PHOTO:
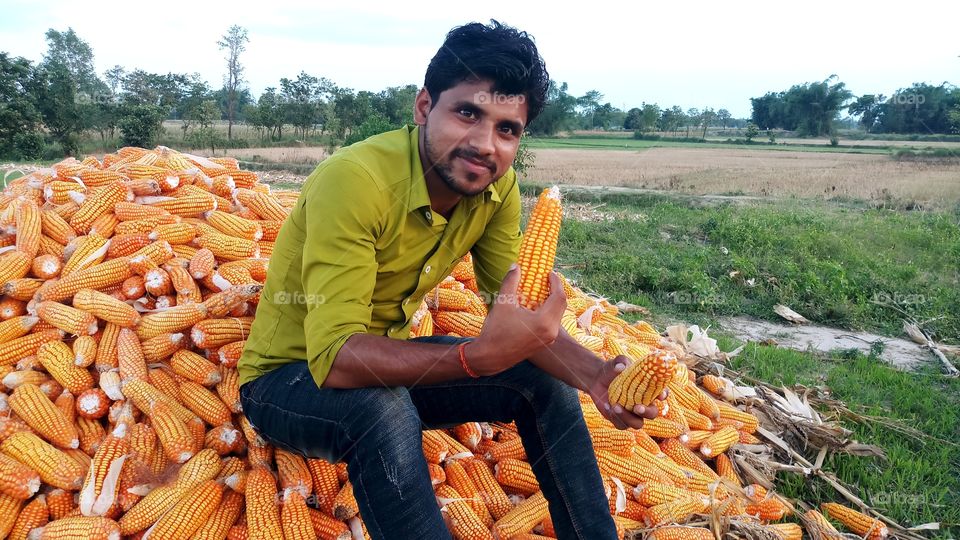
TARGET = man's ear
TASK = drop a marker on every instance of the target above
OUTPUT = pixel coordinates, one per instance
(421, 107)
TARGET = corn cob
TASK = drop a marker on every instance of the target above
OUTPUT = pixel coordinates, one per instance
(295, 517)
(21, 289)
(16, 479)
(99, 202)
(35, 514)
(80, 528)
(460, 322)
(57, 358)
(643, 381)
(102, 484)
(189, 513)
(98, 276)
(327, 527)
(150, 508)
(523, 517)
(815, 521)
(538, 248)
(862, 524)
(14, 265)
(204, 403)
(464, 522)
(677, 532)
(326, 485)
(30, 404)
(516, 474)
(55, 467)
(263, 514)
(720, 441)
(16, 327)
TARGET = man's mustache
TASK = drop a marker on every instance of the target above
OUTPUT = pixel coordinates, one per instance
(474, 156)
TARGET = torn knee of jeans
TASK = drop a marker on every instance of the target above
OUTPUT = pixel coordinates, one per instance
(392, 472)
(300, 375)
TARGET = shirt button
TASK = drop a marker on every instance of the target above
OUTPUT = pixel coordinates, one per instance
(427, 269)
(427, 214)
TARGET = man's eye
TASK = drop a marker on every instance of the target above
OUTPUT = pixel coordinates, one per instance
(466, 112)
(506, 130)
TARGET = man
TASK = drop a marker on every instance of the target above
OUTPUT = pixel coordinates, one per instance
(327, 370)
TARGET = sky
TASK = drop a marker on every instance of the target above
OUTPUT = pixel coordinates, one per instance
(686, 53)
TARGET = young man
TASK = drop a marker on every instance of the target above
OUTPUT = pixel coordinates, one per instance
(327, 370)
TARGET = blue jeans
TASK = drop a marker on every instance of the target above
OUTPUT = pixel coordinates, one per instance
(377, 432)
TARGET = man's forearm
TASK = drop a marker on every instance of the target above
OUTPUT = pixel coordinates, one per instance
(370, 360)
(568, 361)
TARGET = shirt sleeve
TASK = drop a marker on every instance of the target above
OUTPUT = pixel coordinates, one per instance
(499, 246)
(342, 210)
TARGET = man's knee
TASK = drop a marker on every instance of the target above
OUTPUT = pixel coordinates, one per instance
(384, 418)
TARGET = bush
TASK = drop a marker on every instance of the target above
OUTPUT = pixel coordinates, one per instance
(373, 125)
(28, 146)
(140, 125)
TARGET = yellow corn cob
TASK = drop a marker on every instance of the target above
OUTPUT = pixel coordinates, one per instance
(102, 484)
(57, 358)
(98, 276)
(27, 217)
(21, 289)
(488, 489)
(161, 347)
(643, 381)
(128, 211)
(16, 327)
(327, 527)
(464, 522)
(14, 265)
(204, 403)
(80, 528)
(538, 248)
(749, 421)
(106, 353)
(91, 435)
(224, 439)
(345, 504)
(175, 437)
(678, 532)
(30, 404)
(458, 479)
(192, 204)
(202, 263)
(293, 473)
(295, 517)
(150, 508)
(172, 320)
(630, 471)
(325, 483)
(523, 517)
(674, 511)
(265, 206)
(787, 531)
(55, 467)
(517, 475)
(685, 457)
(222, 303)
(16, 479)
(189, 513)
(106, 307)
(46, 266)
(97, 203)
(653, 493)
(184, 286)
(618, 441)
(459, 322)
(194, 367)
(143, 395)
(67, 318)
(228, 248)
(512, 448)
(233, 225)
(174, 233)
(770, 508)
(661, 462)
(862, 524)
(263, 514)
(720, 441)
(725, 469)
(213, 333)
(35, 514)
(58, 191)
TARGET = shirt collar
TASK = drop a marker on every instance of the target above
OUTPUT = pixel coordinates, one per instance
(419, 197)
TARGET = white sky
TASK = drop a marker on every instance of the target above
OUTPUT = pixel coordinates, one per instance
(686, 53)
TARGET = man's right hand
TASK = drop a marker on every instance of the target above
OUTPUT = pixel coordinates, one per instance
(511, 332)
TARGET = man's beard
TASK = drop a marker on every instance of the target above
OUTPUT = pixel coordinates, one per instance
(445, 169)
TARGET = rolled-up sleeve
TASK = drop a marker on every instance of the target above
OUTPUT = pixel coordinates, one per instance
(499, 246)
(342, 216)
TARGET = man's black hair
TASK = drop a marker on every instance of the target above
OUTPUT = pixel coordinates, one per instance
(495, 52)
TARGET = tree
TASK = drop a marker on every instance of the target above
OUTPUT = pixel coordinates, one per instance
(204, 115)
(693, 119)
(633, 119)
(650, 113)
(671, 119)
(67, 49)
(707, 117)
(558, 113)
(723, 116)
(809, 108)
(301, 100)
(270, 112)
(19, 114)
(752, 131)
(234, 41)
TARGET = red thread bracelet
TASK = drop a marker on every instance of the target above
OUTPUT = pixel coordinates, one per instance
(463, 360)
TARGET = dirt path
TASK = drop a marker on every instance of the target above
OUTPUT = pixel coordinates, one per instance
(900, 353)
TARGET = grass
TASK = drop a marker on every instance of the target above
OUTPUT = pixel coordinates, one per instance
(826, 261)
(829, 262)
(919, 482)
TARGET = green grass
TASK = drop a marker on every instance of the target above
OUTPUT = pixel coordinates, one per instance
(919, 482)
(621, 143)
(827, 261)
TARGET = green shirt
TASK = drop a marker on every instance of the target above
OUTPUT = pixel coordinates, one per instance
(361, 248)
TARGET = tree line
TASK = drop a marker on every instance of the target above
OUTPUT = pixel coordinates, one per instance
(812, 109)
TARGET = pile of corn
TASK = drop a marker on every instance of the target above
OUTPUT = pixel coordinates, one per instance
(128, 287)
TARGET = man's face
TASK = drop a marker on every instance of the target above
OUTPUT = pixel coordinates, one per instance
(471, 134)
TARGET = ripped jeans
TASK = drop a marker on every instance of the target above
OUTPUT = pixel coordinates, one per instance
(377, 432)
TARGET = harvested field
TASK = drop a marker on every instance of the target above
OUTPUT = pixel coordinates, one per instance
(873, 178)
